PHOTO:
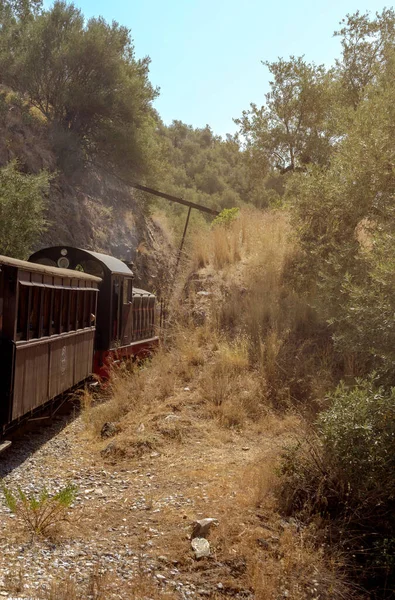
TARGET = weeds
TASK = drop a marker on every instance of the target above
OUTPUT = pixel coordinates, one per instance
(40, 514)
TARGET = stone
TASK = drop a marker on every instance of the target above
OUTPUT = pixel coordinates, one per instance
(109, 429)
(201, 547)
(202, 527)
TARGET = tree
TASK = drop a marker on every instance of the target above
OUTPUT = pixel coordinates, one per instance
(22, 205)
(347, 229)
(290, 129)
(86, 80)
(366, 45)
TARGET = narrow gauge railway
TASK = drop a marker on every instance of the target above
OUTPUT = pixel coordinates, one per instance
(65, 314)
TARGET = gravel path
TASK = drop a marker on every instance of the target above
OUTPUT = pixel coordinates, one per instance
(130, 521)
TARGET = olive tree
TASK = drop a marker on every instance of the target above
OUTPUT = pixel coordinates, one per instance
(22, 207)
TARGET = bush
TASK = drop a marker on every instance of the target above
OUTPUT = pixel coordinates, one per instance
(346, 474)
(41, 514)
(359, 434)
(226, 217)
(22, 206)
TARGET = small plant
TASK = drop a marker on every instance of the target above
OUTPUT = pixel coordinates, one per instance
(40, 514)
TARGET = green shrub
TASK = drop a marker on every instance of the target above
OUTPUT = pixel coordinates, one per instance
(22, 206)
(226, 217)
(345, 473)
(42, 513)
(359, 440)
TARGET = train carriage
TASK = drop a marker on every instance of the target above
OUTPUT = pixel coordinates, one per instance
(125, 322)
(47, 331)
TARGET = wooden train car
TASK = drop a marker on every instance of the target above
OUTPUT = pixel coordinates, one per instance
(47, 334)
(125, 321)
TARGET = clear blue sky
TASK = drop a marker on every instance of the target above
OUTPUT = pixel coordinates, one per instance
(206, 53)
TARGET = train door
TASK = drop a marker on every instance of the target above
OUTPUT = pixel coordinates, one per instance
(127, 296)
(116, 311)
(121, 316)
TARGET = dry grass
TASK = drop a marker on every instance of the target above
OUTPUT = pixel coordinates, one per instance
(237, 360)
(248, 345)
(277, 558)
(234, 393)
(105, 587)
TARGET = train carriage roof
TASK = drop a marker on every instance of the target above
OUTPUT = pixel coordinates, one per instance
(45, 269)
(113, 264)
(109, 263)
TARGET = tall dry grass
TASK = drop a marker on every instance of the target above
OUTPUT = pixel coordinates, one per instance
(251, 342)
(287, 343)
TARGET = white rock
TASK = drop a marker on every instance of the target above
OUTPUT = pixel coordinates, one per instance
(201, 547)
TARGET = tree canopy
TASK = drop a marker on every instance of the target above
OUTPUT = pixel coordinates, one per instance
(85, 80)
(291, 129)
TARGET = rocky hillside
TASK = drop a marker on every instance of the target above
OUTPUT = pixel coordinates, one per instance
(87, 208)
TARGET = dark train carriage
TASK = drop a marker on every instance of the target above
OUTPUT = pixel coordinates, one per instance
(46, 334)
(125, 323)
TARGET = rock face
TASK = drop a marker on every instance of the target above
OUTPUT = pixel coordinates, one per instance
(87, 208)
(97, 212)
(201, 547)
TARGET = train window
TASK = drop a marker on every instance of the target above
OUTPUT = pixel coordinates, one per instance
(92, 316)
(23, 306)
(56, 310)
(93, 267)
(127, 291)
(34, 313)
(65, 310)
(87, 309)
(115, 308)
(73, 310)
(46, 311)
(80, 309)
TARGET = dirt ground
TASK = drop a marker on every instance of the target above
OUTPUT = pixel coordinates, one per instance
(129, 529)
